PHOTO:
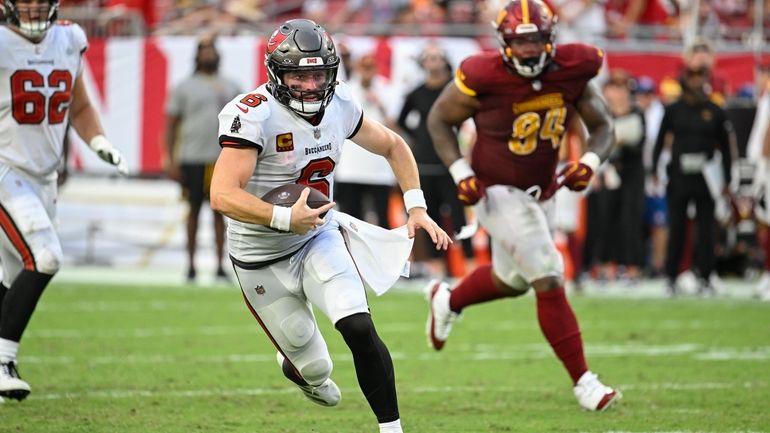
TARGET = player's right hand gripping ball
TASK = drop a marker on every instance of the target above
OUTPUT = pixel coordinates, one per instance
(470, 190)
(575, 176)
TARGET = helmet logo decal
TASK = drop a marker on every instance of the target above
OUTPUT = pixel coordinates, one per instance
(275, 40)
(307, 61)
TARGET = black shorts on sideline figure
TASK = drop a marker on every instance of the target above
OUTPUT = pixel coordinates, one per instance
(196, 182)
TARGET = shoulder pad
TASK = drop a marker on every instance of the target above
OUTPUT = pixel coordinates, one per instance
(246, 106)
(75, 34)
(343, 91)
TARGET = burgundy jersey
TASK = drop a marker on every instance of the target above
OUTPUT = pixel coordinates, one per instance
(521, 121)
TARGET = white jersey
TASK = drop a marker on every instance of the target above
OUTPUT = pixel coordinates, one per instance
(291, 150)
(36, 83)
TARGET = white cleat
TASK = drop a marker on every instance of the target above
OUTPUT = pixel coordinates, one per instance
(440, 317)
(11, 385)
(593, 395)
(326, 394)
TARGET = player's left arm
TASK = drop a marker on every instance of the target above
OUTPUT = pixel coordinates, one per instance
(85, 119)
(381, 140)
(576, 175)
(597, 118)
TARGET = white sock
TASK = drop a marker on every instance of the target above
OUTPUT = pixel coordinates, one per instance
(8, 350)
(391, 427)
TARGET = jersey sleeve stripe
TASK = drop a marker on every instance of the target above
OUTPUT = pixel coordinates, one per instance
(228, 141)
(461, 86)
(358, 126)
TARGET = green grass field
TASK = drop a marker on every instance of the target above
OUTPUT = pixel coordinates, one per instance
(159, 359)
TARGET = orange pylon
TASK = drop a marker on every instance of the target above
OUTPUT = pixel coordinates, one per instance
(480, 243)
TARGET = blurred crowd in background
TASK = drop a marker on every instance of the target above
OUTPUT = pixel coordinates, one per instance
(587, 20)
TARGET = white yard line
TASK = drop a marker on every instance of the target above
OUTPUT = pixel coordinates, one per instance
(523, 352)
(135, 393)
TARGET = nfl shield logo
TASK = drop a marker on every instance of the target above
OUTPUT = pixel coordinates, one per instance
(260, 290)
(316, 133)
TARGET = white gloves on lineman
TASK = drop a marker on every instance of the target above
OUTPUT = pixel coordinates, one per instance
(109, 153)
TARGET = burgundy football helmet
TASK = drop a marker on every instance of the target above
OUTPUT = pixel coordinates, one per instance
(301, 45)
(45, 15)
(526, 30)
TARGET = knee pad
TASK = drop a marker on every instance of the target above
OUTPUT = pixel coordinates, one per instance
(298, 328)
(48, 259)
(316, 371)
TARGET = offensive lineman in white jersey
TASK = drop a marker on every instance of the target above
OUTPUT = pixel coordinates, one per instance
(291, 130)
(41, 90)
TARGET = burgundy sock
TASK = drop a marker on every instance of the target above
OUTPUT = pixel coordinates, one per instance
(560, 327)
(475, 288)
(766, 247)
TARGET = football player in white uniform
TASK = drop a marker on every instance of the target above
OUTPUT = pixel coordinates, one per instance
(41, 90)
(291, 130)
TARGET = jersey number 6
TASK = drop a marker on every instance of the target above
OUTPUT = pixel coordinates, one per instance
(314, 173)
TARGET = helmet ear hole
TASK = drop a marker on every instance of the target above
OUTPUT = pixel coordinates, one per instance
(508, 52)
(549, 48)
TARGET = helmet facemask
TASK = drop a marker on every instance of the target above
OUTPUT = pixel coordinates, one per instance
(32, 20)
(305, 102)
(304, 47)
(530, 66)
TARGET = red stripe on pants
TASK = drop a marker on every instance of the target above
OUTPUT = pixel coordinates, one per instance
(10, 229)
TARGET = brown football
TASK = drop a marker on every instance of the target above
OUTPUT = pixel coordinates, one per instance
(287, 195)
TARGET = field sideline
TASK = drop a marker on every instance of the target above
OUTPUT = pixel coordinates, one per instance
(167, 358)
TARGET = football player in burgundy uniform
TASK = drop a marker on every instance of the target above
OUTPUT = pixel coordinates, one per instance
(291, 130)
(521, 102)
(41, 91)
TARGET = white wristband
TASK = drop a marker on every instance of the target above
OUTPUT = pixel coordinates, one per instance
(414, 198)
(281, 219)
(460, 170)
(591, 160)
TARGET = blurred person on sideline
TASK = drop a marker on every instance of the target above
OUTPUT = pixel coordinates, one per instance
(443, 205)
(191, 143)
(43, 91)
(701, 54)
(758, 151)
(695, 127)
(580, 21)
(521, 99)
(626, 160)
(623, 15)
(363, 179)
(655, 207)
(291, 130)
